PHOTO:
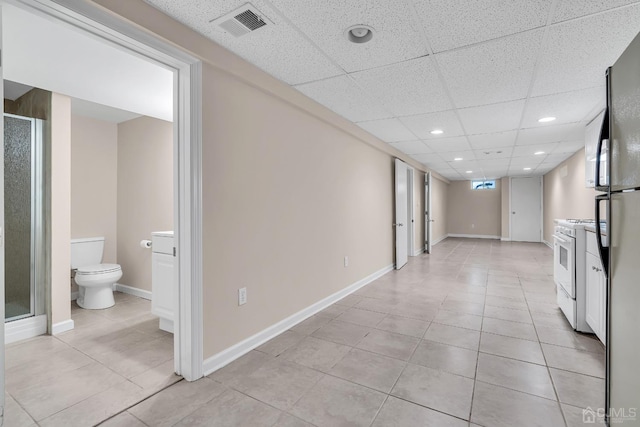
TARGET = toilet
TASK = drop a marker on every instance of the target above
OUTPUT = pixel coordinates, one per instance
(95, 281)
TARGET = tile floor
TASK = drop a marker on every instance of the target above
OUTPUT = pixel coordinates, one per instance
(111, 360)
(467, 336)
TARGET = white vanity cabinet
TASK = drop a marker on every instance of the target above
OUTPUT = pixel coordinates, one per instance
(596, 290)
(162, 278)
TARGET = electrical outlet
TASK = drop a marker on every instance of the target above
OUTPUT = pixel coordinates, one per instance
(242, 296)
(346, 261)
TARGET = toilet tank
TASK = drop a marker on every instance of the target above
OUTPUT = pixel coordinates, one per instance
(87, 251)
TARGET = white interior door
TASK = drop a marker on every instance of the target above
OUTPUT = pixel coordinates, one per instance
(411, 231)
(400, 225)
(526, 209)
(2, 404)
(428, 232)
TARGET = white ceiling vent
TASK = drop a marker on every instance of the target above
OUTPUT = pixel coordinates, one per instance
(242, 21)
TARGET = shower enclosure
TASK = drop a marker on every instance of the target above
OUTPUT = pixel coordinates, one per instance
(23, 213)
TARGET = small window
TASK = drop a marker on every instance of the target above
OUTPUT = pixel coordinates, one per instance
(482, 185)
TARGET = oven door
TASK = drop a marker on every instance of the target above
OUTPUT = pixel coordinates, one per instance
(564, 263)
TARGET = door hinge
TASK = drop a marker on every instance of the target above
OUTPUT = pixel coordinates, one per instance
(174, 251)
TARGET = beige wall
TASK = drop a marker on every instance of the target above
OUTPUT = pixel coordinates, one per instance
(505, 196)
(567, 196)
(60, 208)
(145, 193)
(474, 212)
(439, 206)
(94, 186)
(284, 198)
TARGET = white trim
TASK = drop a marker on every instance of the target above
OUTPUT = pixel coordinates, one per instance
(548, 244)
(505, 239)
(61, 327)
(230, 354)
(419, 251)
(475, 236)
(25, 328)
(439, 240)
(141, 293)
(98, 22)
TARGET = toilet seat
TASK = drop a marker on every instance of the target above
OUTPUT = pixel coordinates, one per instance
(98, 269)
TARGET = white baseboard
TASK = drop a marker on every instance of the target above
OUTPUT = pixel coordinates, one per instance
(475, 236)
(230, 354)
(23, 329)
(547, 243)
(125, 289)
(505, 239)
(418, 251)
(61, 327)
(439, 240)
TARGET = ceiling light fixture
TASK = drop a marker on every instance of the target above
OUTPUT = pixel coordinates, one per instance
(437, 132)
(359, 33)
(457, 159)
(527, 169)
(537, 153)
(546, 119)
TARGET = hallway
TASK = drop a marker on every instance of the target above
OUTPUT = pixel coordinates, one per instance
(469, 335)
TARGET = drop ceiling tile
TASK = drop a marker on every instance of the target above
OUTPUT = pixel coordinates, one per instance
(493, 118)
(566, 107)
(278, 49)
(547, 134)
(343, 96)
(388, 130)
(495, 153)
(452, 176)
(557, 158)
(577, 53)
(423, 124)
(447, 145)
(529, 150)
(521, 172)
(396, 37)
(464, 155)
(496, 71)
(412, 147)
(531, 161)
(569, 9)
(493, 140)
(449, 25)
(464, 166)
(494, 163)
(426, 158)
(407, 88)
(548, 166)
(495, 173)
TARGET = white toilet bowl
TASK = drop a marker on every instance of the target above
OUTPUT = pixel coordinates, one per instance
(95, 280)
(95, 283)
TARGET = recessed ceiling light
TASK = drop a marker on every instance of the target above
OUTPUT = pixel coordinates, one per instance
(359, 33)
(546, 119)
(437, 132)
(469, 171)
(527, 169)
(457, 159)
(537, 153)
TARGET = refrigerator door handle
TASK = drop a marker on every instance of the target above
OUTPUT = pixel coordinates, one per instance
(602, 250)
(604, 136)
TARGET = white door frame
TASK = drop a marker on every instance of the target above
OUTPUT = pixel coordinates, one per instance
(410, 214)
(2, 388)
(400, 226)
(541, 205)
(187, 69)
(428, 230)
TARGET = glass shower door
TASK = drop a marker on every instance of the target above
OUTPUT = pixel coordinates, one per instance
(22, 192)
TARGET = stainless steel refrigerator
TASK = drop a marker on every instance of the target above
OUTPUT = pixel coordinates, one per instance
(618, 176)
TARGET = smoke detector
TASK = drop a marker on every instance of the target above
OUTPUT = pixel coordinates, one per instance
(241, 21)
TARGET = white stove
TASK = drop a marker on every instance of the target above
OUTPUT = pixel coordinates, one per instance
(569, 264)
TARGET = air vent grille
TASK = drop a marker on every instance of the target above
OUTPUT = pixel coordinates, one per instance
(250, 20)
(242, 21)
